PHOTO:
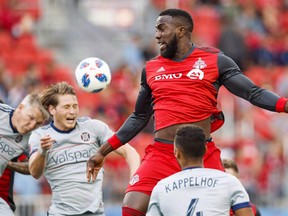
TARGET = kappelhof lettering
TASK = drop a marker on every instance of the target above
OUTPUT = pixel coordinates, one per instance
(168, 76)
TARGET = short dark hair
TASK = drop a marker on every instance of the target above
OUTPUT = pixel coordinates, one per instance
(230, 164)
(191, 141)
(182, 15)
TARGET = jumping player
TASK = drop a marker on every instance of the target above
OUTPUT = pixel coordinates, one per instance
(196, 190)
(179, 87)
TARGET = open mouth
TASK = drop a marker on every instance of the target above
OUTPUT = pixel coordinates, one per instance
(70, 120)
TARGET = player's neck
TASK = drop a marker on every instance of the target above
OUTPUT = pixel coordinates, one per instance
(188, 164)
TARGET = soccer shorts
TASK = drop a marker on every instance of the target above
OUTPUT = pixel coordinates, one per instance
(5, 208)
(159, 162)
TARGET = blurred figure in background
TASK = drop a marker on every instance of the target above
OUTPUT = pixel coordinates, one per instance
(232, 168)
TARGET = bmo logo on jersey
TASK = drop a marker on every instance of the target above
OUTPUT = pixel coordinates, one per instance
(168, 76)
(193, 74)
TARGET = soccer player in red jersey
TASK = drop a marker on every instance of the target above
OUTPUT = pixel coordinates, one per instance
(179, 87)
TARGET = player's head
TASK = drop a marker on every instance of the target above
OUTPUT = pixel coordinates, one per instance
(29, 114)
(231, 167)
(189, 145)
(172, 26)
(61, 102)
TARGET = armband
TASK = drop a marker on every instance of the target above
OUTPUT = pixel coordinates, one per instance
(114, 142)
(42, 152)
(280, 104)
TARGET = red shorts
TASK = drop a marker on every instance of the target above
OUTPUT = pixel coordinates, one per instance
(159, 162)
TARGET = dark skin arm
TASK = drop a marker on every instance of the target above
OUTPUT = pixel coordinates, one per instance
(135, 123)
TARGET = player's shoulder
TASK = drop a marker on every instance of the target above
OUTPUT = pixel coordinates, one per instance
(209, 49)
(83, 119)
(155, 59)
(5, 108)
(43, 128)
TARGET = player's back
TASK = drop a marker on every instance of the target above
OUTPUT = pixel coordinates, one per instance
(198, 191)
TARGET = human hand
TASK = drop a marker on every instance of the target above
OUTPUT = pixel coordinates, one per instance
(94, 164)
(46, 143)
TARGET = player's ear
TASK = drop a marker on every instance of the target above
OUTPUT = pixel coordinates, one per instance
(176, 152)
(21, 106)
(51, 110)
(181, 30)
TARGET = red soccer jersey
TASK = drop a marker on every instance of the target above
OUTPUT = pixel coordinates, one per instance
(183, 91)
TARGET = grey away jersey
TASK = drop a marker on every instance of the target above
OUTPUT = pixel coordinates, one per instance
(66, 165)
(12, 144)
(197, 191)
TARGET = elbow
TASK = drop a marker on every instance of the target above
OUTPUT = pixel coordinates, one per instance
(35, 175)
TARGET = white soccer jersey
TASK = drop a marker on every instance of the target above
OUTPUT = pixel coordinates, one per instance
(12, 144)
(66, 166)
(197, 192)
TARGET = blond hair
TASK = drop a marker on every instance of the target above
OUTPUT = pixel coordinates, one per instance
(33, 100)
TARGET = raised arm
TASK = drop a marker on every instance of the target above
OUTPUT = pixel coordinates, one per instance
(37, 161)
(131, 127)
(131, 155)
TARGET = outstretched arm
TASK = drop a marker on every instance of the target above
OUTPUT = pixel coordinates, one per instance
(240, 85)
(132, 126)
(131, 155)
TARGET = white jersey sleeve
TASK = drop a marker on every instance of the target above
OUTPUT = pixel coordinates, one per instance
(238, 195)
(154, 208)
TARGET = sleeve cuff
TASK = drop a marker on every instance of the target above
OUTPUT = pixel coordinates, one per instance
(280, 104)
(114, 142)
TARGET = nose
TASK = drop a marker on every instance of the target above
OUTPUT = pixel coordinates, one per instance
(157, 35)
(72, 110)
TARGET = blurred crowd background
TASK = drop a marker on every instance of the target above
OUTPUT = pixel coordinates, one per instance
(41, 42)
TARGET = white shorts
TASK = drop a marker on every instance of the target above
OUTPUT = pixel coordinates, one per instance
(5, 208)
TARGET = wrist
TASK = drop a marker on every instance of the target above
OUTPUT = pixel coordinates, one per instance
(43, 152)
(114, 142)
(105, 149)
(281, 105)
